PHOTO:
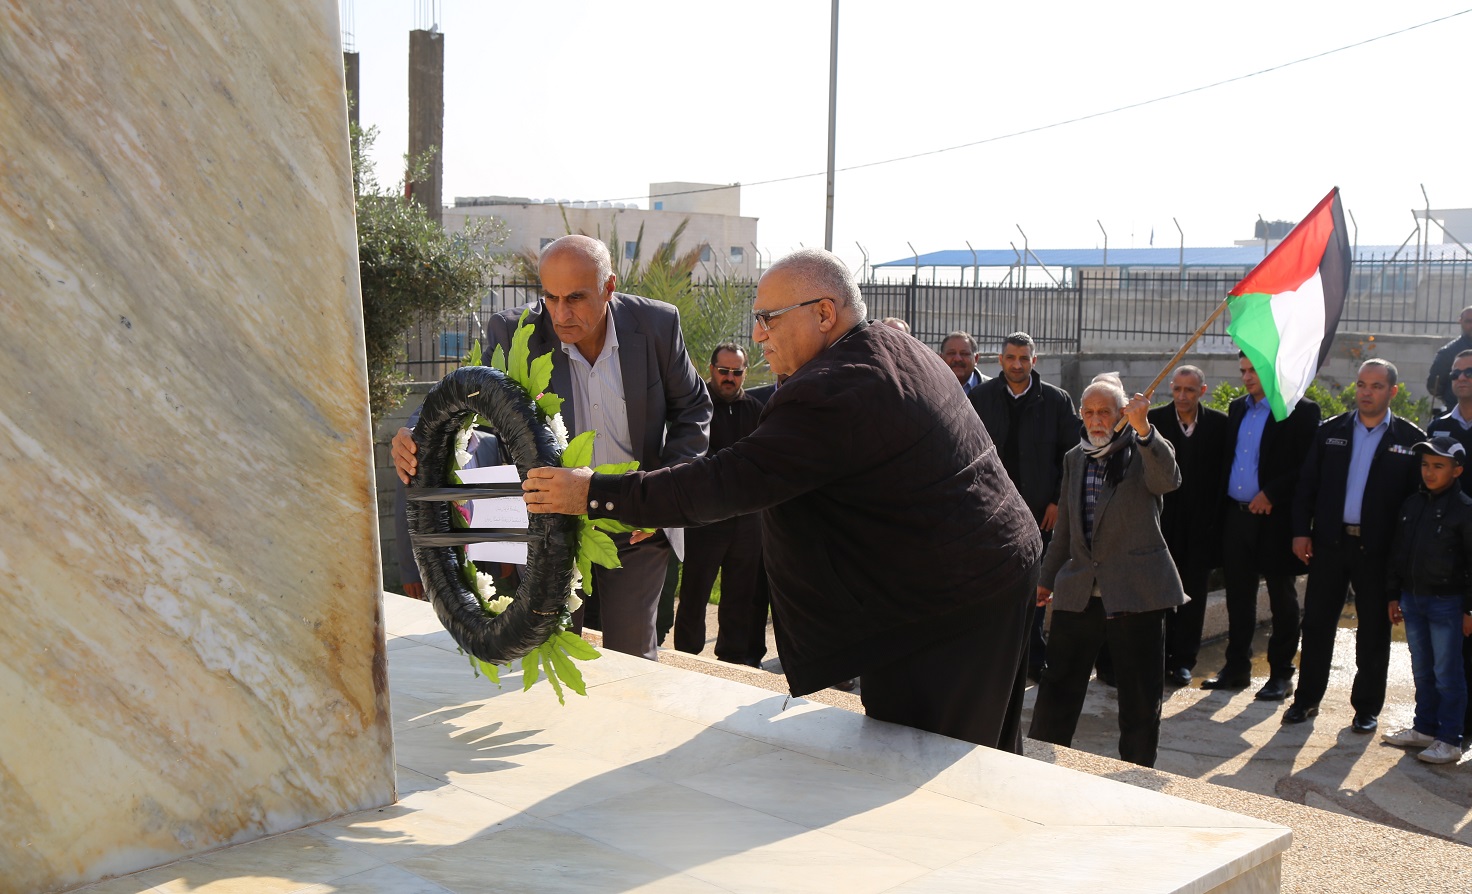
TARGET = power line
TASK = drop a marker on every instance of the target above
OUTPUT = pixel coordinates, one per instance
(1042, 127)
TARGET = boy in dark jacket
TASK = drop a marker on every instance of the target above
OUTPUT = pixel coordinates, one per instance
(1429, 577)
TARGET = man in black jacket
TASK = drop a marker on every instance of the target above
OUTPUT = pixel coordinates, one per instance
(1359, 471)
(894, 546)
(732, 548)
(1264, 457)
(1439, 382)
(1191, 517)
(1033, 424)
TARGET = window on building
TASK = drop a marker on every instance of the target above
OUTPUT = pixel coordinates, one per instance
(630, 248)
(453, 345)
(659, 206)
(705, 254)
(738, 254)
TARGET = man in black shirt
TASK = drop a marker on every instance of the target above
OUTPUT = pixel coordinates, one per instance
(1033, 424)
(1439, 382)
(732, 547)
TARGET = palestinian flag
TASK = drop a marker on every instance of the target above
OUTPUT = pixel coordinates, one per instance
(1285, 311)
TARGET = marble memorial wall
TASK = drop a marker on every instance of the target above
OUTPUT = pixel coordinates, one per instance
(191, 642)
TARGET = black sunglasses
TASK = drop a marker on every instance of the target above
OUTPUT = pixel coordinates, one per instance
(728, 371)
(1458, 373)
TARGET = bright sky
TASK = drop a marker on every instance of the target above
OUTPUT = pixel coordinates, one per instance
(596, 100)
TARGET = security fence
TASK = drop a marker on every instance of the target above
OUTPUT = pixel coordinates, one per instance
(1110, 309)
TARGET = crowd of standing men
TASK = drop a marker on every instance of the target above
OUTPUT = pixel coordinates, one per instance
(814, 492)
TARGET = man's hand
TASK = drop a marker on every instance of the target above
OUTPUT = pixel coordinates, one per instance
(1395, 616)
(414, 591)
(1260, 504)
(1135, 411)
(1050, 517)
(403, 451)
(563, 491)
(639, 534)
(1303, 548)
(1466, 625)
(1045, 596)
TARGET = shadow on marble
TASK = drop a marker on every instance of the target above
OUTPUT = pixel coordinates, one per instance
(277, 865)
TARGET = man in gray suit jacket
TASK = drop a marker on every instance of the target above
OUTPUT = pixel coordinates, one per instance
(1108, 572)
(620, 366)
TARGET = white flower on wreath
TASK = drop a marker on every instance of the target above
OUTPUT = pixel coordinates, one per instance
(574, 601)
(559, 429)
(486, 585)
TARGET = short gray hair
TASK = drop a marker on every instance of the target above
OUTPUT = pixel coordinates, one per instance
(584, 246)
(1190, 370)
(1021, 340)
(824, 274)
(1108, 383)
(1392, 375)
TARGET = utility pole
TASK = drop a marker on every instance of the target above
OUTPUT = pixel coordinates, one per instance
(832, 123)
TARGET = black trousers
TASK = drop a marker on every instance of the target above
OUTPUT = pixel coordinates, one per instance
(1137, 646)
(625, 601)
(734, 549)
(1333, 571)
(1183, 623)
(968, 686)
(1037, 642)
(1245, 547)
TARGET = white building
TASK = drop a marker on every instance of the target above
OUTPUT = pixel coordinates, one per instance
(713, 211)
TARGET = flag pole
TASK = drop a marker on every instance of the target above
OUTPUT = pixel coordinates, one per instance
(1171, 363)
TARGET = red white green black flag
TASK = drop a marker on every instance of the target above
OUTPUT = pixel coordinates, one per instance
(1285, 312)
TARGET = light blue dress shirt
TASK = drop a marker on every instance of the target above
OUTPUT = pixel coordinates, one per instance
(1242, 484)
(598, 400)
(1361, 454)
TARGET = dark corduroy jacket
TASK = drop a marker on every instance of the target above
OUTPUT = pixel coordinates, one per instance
(1192, 516)
(1280, 461)
(887, 519)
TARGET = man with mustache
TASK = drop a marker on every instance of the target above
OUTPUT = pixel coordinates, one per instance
(1109, 573)
(959, 352)
(895, 547)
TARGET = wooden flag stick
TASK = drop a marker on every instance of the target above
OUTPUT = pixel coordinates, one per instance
(1171, 363)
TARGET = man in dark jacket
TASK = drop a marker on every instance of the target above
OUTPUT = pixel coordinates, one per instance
(1359, 471)
(1191, 517)
(894, 545)
(1033, 424)
(1439, 382)
(1264, 457)
(732, 548)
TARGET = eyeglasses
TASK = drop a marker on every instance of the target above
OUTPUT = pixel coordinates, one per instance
(1458, 373)
(764, 317)
(728, 371)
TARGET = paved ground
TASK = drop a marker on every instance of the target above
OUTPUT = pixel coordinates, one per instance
(1366, 816)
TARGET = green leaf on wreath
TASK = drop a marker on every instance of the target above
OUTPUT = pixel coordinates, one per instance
(585, 568)
(617, 468)
(612, 526)
(566, 670)
(498, 358)
(598, 547)
(473, 359)
(576, 646)
(579, 451)
(550, 404)
(541, 375)
(551, 669)
(490, 670)
(529, 670)
(518, 360)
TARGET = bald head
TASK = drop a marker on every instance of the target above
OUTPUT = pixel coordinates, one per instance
(581, 250)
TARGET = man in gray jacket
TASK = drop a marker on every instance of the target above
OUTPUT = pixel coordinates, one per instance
(1108, 572)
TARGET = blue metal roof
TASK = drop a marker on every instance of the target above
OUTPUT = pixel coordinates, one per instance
(1235, 256)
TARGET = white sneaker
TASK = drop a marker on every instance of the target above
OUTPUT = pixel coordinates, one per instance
(1410, 737)
(1440, 753)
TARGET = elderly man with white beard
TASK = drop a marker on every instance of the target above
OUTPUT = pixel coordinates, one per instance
(1108, 572)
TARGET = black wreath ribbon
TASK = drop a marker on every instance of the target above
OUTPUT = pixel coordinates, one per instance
(533, 615)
